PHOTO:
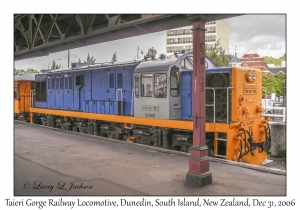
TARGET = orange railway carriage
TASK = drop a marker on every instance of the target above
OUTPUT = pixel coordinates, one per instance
(23, 85)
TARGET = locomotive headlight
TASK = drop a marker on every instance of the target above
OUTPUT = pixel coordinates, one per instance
(249, 76)
(254, 76)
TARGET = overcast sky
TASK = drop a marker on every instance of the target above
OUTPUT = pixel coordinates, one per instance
(265, 34)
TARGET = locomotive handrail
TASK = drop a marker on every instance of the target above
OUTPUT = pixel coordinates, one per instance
(132, 97)
(241, 112)
(117, 100)
(32, 93)
(227, 105)
(250, 84)
(214, 105)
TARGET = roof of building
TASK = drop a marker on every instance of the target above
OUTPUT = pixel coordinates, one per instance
(276, 70)
(25, 77)
(250, 51)
(233, 59)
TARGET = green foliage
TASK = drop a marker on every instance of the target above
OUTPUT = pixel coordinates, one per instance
(280, 150)
(217, 54)
(55, 66)
(273, 84)
(151, 52)
(22, 71)
(114, 58)
(90, 60)
(275, 61)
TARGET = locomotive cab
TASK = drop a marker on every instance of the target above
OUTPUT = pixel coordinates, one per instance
(157, 86)
(23, 85)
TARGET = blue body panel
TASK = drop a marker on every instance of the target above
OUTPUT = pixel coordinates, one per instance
(186, 94)
(68, 91)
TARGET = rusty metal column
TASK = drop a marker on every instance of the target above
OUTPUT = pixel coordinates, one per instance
(199, 174)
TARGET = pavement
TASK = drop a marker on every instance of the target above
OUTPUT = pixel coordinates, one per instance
(53, 162)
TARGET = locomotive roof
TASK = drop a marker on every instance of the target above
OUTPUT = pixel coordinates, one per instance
(157, 64)
(97, 66)
(25, 77)
(163, 64)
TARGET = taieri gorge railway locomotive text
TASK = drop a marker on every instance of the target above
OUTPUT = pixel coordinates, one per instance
(150, 102)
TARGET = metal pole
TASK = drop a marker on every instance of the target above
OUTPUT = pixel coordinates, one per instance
(199, 174)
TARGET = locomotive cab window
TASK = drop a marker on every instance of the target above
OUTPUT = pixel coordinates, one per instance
(16, 92)
(136, 85)
(146, 86)
(174, 81)
(160, 85)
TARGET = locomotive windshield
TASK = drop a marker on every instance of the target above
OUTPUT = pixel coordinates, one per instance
(146, 85)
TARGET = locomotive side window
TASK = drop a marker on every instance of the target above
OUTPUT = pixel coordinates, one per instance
(146, 86)
(41, 91)
(136, 85)
(160, 85)
(119, 80)
(53, 84)
(174, 81)
(16, 92)
(61, 83)
(70, 83)
(66, 83)
(57, 83)
(111, 81)
(49, 83)
(78, 80)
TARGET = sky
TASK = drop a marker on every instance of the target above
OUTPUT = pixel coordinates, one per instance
(265, 34)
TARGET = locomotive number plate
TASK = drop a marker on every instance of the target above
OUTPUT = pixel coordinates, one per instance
(150, 108)
(250, 91)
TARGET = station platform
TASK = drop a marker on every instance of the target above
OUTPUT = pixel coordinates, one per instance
(53, 162)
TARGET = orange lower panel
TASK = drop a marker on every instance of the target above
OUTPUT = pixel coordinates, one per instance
(185, 125)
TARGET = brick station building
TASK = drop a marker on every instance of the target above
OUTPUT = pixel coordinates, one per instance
(253, 60)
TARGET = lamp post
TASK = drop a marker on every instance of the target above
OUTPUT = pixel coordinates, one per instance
(137, 53)
(53, 62)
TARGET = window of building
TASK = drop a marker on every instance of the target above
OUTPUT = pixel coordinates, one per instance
(146, 85)
(160, 85)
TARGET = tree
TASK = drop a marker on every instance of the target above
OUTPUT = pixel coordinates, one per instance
(79, 61)
(217, 54)
(275, 61)
(273, 84)
(151, 52)
(114, 57)
(90, 60)
(55, 66)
